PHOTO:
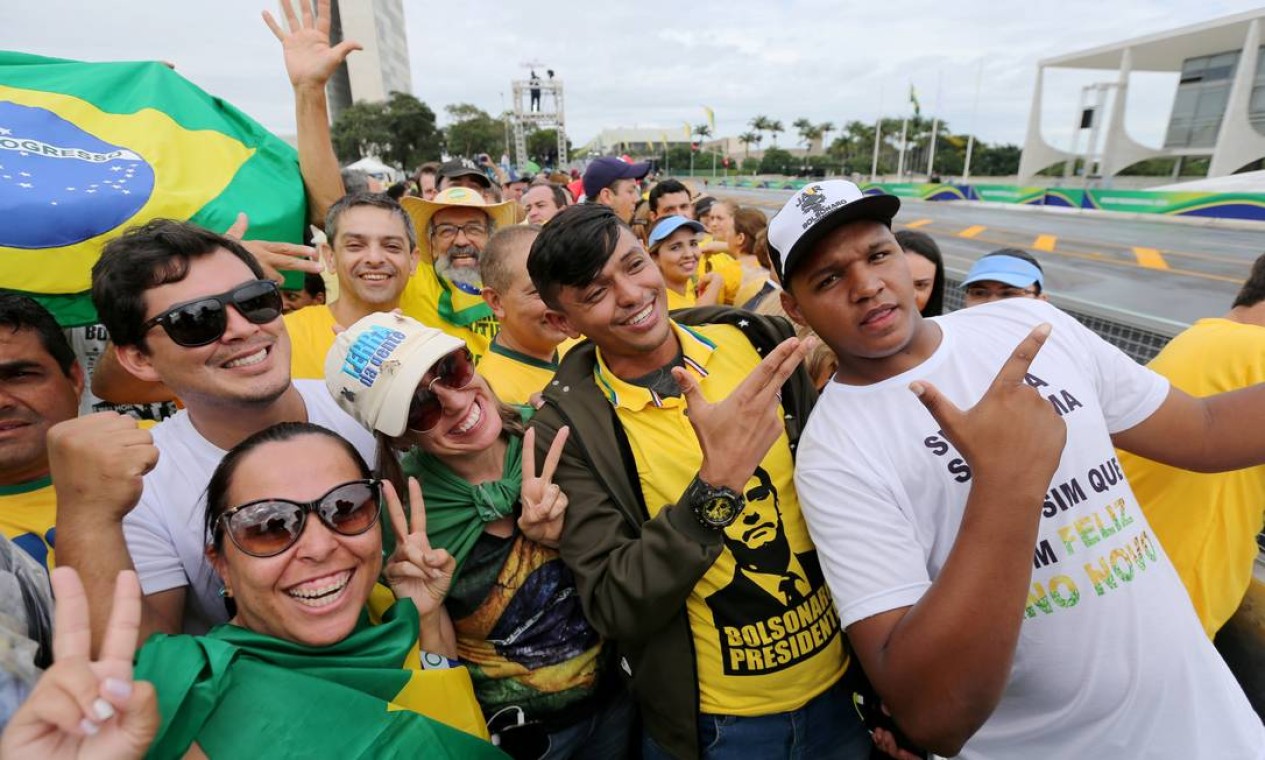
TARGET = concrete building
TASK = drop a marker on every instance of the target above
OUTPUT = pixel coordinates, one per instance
(1218, 107)
(382, 67)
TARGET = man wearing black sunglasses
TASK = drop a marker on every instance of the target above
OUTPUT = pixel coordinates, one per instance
(192, 310)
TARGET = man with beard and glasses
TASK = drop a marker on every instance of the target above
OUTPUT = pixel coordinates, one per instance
(447, 291)
(372, 249)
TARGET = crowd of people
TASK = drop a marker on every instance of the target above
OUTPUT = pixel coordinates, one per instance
(662, 477)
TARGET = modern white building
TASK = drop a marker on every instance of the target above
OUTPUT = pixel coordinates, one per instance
(1218, 107)
(382, 67)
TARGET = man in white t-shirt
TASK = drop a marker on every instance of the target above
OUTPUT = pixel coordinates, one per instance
(193, 310)
(991, 566)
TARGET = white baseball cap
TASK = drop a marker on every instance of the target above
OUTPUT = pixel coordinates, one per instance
(816, 210)
(374, 367)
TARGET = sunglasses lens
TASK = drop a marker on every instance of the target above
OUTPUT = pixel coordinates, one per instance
(260, 302)
(196, 324)
(266, 528)
(425, 411)
(351, 509)
(455, 370)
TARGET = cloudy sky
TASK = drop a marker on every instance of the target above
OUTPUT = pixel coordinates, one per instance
(655, 63)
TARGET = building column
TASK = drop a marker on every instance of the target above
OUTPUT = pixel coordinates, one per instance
(1037, 153)
(1238, 142)
(1119, 150)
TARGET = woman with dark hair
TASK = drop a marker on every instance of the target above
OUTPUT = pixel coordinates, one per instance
(748, 224)
(927, 267)
(305, 666)
(509, 609)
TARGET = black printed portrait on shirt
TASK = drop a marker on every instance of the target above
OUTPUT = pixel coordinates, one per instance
(776, 611)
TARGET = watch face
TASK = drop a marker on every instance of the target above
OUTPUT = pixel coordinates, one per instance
(720, 511)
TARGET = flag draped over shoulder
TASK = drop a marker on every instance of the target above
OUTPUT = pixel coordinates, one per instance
(241, 694)
(90, 149)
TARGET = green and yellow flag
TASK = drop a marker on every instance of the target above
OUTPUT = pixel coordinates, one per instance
(90, 149)
(237, 693)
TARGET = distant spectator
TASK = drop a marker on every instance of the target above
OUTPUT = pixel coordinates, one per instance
(357, 181)
(748, 225)
(312, 292)
(670, 198)
(427, 180)
(673, 246)
(544, 201)
(397, 190)
(612, 182)
(1005, 273)
(927, 267)
(516, 187)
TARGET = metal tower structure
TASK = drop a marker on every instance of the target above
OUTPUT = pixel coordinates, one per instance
(537, 102)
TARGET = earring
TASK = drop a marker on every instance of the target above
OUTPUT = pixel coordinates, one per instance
(225, 593)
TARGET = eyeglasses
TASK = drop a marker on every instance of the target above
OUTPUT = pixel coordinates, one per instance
(268, 527)
(989, 294)
(471, 229)
(197, 323)
(455, 371)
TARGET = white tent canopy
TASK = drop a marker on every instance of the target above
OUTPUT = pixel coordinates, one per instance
(375, 168)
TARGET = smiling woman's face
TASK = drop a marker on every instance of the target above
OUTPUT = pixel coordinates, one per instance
(311, 593)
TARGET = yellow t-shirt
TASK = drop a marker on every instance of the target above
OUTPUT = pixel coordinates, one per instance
(680, 300)
(28, 514)
(766, 634)
(311, 331)
(446, 306)
(514, 377)
(1207, 523)
(727, 266)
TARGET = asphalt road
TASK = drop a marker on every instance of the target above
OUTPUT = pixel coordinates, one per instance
(1168, 273)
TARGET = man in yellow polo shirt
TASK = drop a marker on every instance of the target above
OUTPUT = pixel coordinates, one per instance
(684, 528)
(447, 290)
(372, 250)
(523, 356)
(1208, 522)
(40, 383)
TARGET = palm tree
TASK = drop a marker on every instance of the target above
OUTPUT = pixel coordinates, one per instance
(805, 128)
(826, 128)
(774, 128)
(761, 125)
(746, 138)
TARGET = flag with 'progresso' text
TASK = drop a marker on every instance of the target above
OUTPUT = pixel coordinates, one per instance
(88, 150)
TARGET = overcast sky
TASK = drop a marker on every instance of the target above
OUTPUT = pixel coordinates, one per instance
(656, 62)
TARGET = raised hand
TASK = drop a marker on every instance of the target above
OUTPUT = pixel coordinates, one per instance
(1012, 432)
(81, 708)
(544, 503)
(414, 569)
(98, 462)
(275, 257)
(737, 432)
(310, 61)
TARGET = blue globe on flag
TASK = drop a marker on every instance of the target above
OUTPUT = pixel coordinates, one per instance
(65, 187)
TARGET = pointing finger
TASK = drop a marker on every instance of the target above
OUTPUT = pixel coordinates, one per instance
(395, 511)
(240, 225)
(1016, 367)
(71, 635)
(417, 507)
(942, 409)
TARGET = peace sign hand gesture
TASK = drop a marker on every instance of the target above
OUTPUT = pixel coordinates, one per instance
(544, 503)
(310, 61)
(81, 708)
(414, 569)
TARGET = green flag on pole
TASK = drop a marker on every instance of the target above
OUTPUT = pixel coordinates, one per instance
(88, 150)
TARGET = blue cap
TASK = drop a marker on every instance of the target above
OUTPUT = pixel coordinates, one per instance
(603, 172)
(1009, 270)
(667, 226)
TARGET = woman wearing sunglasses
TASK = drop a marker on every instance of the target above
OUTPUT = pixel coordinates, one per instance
(304, 668)
(510, 609)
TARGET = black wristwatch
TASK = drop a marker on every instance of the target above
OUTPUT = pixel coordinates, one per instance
(715, 507)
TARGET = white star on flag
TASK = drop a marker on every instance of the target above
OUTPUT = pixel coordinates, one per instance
(25, 184)
(4, 131)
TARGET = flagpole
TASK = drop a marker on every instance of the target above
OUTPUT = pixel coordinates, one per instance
(900, 163)
(878, 134)
(935, 124)
(970, 142)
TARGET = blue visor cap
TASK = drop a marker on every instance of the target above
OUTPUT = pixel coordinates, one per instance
(665, 228)
(1016, 273)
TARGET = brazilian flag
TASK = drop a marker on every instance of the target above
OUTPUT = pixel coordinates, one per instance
(88, 150)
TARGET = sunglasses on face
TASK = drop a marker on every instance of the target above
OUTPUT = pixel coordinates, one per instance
(455, 371)
(197, 323)
(268, 527)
